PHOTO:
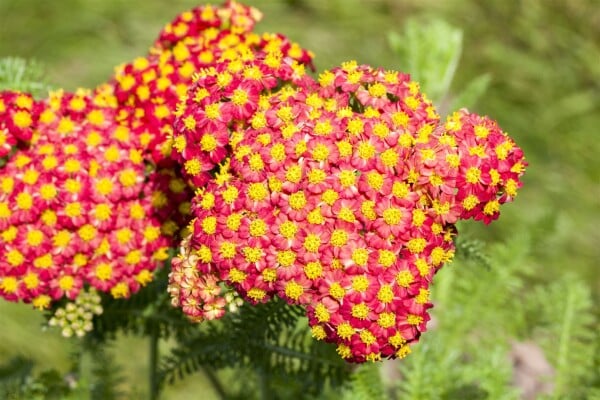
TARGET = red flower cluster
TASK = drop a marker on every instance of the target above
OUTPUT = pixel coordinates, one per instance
(490, 166)
(222, 103)
(149, 88)
(78, 207)
(18, 114)
(89, 199)
(340, 196)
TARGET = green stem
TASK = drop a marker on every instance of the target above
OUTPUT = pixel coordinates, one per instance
(153, 365)
(564, 341)
(265, 394)
(215, 382)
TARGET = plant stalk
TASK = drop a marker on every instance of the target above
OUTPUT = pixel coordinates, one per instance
(153, 365)
(215, 382)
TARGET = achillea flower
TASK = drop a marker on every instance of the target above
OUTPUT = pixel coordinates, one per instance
(78, 208)
(18, 115)
(340, 196)
(149, 88)
(225, 99)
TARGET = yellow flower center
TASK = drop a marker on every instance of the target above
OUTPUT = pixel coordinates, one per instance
(360, 257)
(288, 229)
(312, 243)
(347, 178)
(473, 174)
(24, 201)
(257, 228)
(104, 271)
(404, 278)
(286, 258)
(297, 200)
(392, 216)
(128, 177)
(313, 270)
(386, 320)
(385, 294)
(360, 311)
(294, 290)
(252, 254)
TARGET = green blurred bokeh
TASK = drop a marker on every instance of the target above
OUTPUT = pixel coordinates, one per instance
(543, 55)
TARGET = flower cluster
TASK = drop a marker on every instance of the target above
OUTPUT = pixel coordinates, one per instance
(340, 195)
(93, 197)
(78, 207)
(222, 102)
(150, 87)
(490, 166)
(200, 296)
(18, 114)
(76, 317)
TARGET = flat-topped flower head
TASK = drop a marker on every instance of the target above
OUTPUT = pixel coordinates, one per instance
(79, 208)
(341, 195)
(149, 88)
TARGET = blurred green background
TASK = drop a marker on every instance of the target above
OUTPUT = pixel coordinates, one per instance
(544, 61)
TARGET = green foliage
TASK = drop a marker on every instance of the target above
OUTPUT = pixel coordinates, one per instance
(566, 330)
(434, 371)
(484, 301)
(270, 339)
(13, 375)
(147, 311)
(106, 379)
(472, 250)
(472, 93)
(23, 75)
(430, 50)
(365, 384)
(18, 382)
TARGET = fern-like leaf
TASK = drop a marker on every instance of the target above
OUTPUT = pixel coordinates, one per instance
(271, 339)
(13, 375)
(365, 384)
(22, 75)
(473, 251)
(567, 330)
(107, 378)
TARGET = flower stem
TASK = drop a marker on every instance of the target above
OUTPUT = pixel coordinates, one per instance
(153, 365)
(215, 382)
(265, 393)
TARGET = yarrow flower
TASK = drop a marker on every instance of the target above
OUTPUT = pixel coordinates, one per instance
(339, 195)
(149, 88)
(18, 114)
(222, 103)
(78, 208)
(92, 197)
